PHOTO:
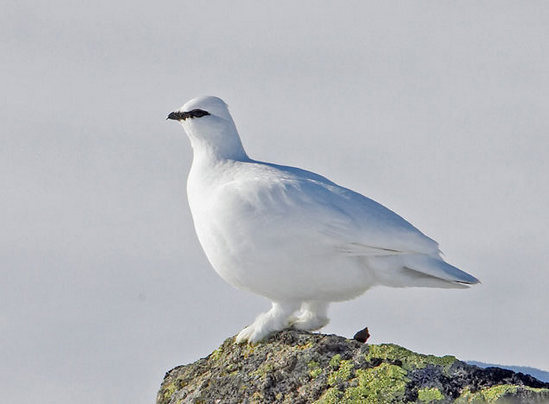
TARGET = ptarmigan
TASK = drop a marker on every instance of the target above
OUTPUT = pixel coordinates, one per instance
(294, 236)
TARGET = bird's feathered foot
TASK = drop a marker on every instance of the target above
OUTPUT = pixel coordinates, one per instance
(313, 316)
(265, 324)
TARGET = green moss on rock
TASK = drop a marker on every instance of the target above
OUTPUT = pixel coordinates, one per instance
(334, 361)
(382, 384)
(410, 360)
(314, 369)
(429, 395)
(342, 374)
(168, 390)
(489, 395)
(506, 393)
(493, 394)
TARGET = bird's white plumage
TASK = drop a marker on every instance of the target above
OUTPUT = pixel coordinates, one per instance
(294, 236)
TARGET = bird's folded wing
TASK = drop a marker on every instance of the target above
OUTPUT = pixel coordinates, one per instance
(313, 210)
(357, 225)
(300, 204)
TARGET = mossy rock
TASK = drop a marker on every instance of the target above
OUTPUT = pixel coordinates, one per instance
(300, 367)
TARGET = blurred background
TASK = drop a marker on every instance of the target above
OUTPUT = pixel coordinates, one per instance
(437, 110)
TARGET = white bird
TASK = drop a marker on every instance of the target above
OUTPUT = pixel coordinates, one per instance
(294, 236)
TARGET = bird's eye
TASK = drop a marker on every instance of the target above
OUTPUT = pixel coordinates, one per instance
(195, 113)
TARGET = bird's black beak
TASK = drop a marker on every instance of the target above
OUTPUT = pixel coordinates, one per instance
(177, 116)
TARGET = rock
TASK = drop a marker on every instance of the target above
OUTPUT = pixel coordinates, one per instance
(362, 335)
(300, 367)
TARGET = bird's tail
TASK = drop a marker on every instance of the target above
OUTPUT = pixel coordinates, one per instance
(438, 268)
(419, 270)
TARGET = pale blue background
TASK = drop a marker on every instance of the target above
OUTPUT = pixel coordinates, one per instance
(435, 109)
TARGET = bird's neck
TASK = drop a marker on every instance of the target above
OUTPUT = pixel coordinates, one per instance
(218, 146)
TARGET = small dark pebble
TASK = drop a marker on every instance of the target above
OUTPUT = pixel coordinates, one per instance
(362, 335)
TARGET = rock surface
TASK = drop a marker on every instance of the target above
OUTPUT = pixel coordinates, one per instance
(300, 367)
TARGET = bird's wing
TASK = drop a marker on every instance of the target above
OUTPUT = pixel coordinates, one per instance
(364, 227)
(352, 223)
(302, 206)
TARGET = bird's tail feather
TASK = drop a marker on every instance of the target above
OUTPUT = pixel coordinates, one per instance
(417, 270)
(439, 269)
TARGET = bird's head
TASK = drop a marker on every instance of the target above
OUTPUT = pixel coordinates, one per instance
(210, 127)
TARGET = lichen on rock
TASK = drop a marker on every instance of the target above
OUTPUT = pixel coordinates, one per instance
(300, 367)
(429, 395)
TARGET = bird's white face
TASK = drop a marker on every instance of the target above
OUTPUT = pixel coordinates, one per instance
(202, 112)
(209, 125)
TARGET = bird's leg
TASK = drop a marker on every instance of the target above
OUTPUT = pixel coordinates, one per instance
(313, 316)
(275, 319)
